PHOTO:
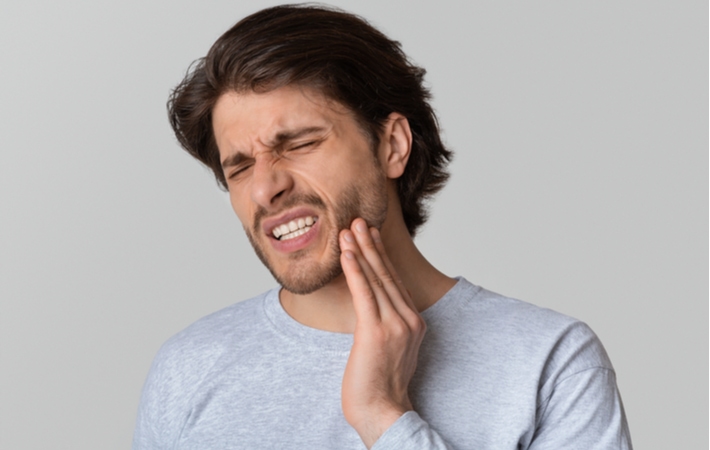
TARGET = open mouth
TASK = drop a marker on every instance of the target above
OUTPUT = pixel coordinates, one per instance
(294, 228)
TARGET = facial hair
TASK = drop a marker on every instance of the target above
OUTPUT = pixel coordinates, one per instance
(366, 200)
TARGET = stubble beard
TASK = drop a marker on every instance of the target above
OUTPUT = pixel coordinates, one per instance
(365, 200)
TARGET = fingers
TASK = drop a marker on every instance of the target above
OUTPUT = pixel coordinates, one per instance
(372, 277)
(390, 268)
(366, 306)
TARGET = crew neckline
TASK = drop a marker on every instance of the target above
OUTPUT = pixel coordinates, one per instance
(303, 335)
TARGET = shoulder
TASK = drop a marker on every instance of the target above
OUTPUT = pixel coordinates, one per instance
(187, 359)
(537, 370)
(476, 307)
(496, 325)
(209, 337)
(565, 337)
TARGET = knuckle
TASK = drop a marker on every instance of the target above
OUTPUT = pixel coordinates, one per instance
(368, 245)
(417, 324)
(386, 277)
(376, 281)
(369, 295)
(399, 329)
(420, 326)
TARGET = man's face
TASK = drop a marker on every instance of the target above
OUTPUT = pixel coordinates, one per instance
(299, 169)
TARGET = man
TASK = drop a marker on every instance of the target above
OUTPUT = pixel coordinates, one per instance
(320, 129)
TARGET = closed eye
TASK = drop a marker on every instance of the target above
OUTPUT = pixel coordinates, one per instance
(303, 145)
(238, 171)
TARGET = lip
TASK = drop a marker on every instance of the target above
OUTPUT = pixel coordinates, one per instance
(268, 225)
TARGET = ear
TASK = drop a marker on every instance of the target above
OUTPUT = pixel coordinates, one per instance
(395, 145)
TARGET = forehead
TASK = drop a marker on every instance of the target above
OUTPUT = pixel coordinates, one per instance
(240, 117)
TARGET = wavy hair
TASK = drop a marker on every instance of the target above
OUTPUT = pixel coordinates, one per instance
(337, 53)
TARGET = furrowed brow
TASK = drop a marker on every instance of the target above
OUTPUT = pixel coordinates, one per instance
(279, 139)
(285, 136)
(234, 160)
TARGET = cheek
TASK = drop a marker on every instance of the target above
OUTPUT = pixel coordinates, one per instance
(329, 174)
(239, 207)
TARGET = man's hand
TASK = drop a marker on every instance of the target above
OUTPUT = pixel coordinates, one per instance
(388, 334)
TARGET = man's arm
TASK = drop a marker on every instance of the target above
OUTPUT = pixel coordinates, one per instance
(581, 411)
(388, 334)
(579, 405)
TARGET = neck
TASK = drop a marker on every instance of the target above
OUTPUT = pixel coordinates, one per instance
(330, 308)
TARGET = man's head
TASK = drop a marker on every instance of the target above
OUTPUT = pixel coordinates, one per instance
(299, 169)
(336, 54)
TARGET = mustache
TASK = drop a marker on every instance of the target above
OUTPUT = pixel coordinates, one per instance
(293, 200)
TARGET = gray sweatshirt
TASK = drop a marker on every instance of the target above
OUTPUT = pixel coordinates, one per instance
(493, 373)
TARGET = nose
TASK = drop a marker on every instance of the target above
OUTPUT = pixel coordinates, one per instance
(270, 182)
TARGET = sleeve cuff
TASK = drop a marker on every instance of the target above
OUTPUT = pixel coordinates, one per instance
(409, 432)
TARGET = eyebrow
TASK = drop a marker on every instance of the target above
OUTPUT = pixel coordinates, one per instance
(279, 139)
(285, 136)
(234, 160)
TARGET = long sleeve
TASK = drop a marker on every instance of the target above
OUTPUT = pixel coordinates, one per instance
(410, 432)
(584, 411)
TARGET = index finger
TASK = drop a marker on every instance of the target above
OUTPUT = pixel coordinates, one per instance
(364, 299)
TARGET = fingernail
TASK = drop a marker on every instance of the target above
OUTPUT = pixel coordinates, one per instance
(360, 226)
(348, 236)
(348, 254)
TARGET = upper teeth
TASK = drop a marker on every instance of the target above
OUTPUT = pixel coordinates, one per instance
(294, 228)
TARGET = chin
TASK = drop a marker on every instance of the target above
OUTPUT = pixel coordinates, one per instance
(300, 275)
(308, 283)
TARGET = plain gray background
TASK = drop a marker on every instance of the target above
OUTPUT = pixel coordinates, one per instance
(579, 184)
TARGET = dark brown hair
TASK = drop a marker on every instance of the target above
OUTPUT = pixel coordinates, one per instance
(336, 53)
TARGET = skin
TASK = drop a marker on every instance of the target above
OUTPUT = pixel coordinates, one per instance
(385, 281)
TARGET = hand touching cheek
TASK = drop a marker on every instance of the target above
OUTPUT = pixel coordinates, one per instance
(388, 334)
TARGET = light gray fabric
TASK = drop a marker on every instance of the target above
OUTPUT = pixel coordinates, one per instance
(493, 373)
